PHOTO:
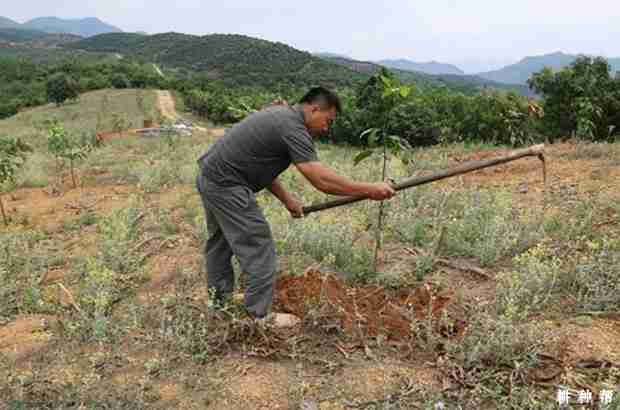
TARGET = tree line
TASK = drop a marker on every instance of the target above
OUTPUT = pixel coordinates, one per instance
(24, 83)
(581, 100)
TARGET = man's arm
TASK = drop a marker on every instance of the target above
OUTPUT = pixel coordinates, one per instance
(327, 180)
(279, 192)
(290, 202)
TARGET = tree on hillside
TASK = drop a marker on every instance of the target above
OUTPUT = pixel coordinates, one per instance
(61, 88)
(582, 99)
(381, 95)
(67, 147)
(12, 157)
(120, 80)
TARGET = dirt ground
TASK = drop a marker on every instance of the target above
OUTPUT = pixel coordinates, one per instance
(337, 375)
(167, 105)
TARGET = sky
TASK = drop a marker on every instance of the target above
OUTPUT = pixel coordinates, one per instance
(475, 35)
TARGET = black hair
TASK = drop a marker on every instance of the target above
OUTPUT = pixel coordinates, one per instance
(323, 96)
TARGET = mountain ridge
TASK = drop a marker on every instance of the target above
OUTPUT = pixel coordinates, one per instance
(431, 67)
(6, 22)
(521, 71)
(83, 27)
(461, 82)
(233, 59)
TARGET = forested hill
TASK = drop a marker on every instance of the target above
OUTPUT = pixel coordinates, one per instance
(464, 83)
(233, 59)
(34, 38)
(522, 71)
(85, 27)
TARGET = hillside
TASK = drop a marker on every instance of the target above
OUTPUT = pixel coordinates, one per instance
(8, 23)
(331, 55)
(105, 302)
(33, 38)
(85, 27)
(370, 68)
(432, 67)
(51, 55)
(19, 35)
(463, 83)
(231, 58)
(520, 72)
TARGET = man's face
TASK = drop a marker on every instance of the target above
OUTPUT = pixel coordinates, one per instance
(320, 119)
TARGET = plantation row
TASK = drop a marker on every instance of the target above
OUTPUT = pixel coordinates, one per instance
(581, 101)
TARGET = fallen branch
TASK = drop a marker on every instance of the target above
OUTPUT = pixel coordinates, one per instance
(464, 268)
(450, 264)
(341, 350)
(609, 222)
(70, 296)
(159, 248)
(144, 242)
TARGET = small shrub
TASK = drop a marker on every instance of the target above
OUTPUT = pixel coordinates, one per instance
(332, 244)
(12, 157)
(531, 285)
(66, 147)
(595, 280)
(486, 226)
(119, 231)
(495, 359)
(24, 257)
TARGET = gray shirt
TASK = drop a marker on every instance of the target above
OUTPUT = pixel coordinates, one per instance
(259, 148)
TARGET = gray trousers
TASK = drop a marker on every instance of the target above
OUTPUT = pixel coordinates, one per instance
(237, 226)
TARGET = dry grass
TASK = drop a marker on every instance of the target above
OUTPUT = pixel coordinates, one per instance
(135, 328)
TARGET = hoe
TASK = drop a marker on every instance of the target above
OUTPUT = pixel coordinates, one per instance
(533, 151)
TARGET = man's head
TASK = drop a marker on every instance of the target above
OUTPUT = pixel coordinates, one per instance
(320, 108)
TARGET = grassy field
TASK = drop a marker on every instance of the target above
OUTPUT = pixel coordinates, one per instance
(103, 299)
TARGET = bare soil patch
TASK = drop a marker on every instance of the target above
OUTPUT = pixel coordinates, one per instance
(167, 106)
(367, 310)
(48, 208)
(25, 335)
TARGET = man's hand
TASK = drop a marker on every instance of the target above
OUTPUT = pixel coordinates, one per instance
(380, 191)
(295, 207)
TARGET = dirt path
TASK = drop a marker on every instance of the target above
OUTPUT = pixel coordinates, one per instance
(158, 70)
(168, 110)
(166, 105)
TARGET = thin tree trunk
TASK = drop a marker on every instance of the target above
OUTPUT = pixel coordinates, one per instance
(379, 232)
(73, 175)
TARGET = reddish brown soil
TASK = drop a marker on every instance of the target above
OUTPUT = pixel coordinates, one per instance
(370, 310)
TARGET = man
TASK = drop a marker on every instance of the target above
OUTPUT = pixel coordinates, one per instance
(248, 159)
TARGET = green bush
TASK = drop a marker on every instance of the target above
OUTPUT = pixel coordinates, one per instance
(484, 225)
(61, 88)
(119, 231)
(531, 285)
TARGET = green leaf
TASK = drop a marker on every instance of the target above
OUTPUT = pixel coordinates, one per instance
(386, 81)
(388, 92)
(361, 156)
(405, 91)
(371, 136)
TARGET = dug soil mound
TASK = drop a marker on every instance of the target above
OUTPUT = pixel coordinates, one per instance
(360, 311)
